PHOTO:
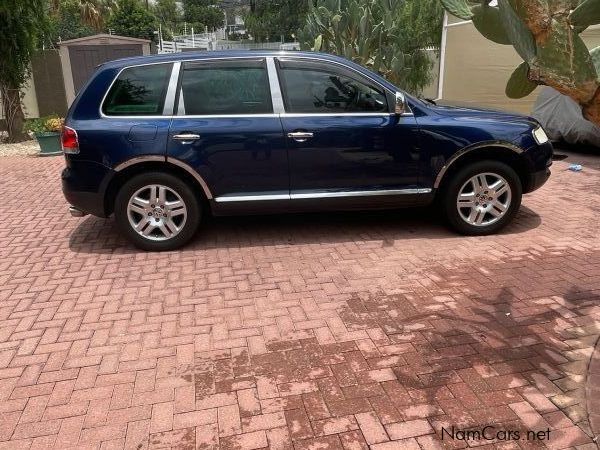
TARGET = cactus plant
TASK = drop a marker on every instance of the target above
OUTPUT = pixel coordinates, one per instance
(545, 33)
(387, 36)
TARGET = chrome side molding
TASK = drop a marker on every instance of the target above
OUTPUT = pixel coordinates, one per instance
(321, 195)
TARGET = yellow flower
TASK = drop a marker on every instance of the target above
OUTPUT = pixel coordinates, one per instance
(54, 124)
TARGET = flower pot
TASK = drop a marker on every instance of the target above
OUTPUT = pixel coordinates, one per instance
(49, 143)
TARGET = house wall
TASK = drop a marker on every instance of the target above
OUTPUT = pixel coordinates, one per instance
(476, 70)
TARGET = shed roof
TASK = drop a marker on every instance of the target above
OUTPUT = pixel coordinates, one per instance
(103, 36)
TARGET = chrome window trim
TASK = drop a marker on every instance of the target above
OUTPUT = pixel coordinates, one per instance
(321, 195)
(181, 108)
(273, 93)
(466, 150)
(225, 116)
(169, 107)
(276, 94)
(149, 116)
(352, 69)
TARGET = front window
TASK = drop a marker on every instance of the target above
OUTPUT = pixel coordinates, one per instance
(138, 91)
(225, 88)
(313, 89)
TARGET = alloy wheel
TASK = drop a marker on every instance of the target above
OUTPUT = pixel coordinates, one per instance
(157, 212)
(484, 199)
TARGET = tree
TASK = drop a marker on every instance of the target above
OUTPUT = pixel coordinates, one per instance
(94, 12)
(131, 18)
(66, 22)
(168, 14)
(203, 13)
(269, 20)
(388, 36)
(23, 25)
(545, 33)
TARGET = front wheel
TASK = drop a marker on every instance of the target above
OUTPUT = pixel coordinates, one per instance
(157, 211)
(482, 198)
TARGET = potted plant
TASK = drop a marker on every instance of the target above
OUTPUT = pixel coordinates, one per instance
(47, 132)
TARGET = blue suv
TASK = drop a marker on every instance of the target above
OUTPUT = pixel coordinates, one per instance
(161, 140)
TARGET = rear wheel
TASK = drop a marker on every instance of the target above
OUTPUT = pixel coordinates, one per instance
(157, 211)
(482, 198)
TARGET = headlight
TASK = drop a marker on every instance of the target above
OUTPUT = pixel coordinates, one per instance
(540, 136)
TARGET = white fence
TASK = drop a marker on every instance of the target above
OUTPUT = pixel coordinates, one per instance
(216, 41)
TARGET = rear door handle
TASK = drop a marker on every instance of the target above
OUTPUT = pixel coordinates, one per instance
(189, 137)
(301, 136)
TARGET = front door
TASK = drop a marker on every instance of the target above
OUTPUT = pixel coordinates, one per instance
(225, 128)
(343, 137)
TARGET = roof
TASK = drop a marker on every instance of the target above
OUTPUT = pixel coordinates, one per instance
(95, 37)
(191, 56)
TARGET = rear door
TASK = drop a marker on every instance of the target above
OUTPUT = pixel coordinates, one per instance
(343, 136)
(226, 129)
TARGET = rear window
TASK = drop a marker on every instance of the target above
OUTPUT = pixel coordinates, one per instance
(138, 91)
(225, 88)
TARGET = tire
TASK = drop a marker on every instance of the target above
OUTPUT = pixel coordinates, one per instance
(477, 183)
(166, 224)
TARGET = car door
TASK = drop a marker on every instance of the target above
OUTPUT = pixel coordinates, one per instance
(342, 134)
(226, 129)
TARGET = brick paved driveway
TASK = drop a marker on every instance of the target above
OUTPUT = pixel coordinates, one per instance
(306, 332)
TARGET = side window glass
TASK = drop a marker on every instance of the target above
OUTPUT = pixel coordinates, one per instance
(138, 91)
(225, 88)
(313, 90)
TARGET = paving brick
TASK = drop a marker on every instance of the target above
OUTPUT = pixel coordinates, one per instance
(371, 428)
(280, 337)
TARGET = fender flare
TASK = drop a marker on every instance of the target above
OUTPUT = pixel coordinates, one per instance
(458, 155)
(169, 161)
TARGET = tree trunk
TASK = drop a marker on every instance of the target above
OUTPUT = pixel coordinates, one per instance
(13, 113)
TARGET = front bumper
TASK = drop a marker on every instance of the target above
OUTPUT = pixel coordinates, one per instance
(83, 185)
(536, 180)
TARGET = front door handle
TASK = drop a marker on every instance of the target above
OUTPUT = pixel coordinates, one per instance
(300, 136)
(189, 137)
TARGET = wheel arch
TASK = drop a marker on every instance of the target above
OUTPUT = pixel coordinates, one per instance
(505, 152)
(140, 165)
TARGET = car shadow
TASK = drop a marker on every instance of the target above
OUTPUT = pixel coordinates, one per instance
(96, 235)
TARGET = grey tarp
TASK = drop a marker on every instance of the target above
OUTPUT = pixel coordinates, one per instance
(562, 119)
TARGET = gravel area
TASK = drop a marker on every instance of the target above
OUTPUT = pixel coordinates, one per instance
(27, 148)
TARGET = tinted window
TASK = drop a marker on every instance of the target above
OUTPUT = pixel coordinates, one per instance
(226, 88)
(320, 90)
(138, 91)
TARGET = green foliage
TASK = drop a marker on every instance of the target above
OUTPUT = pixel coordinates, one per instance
(203, 13)
(268, 21)
(387, 36)
(23, 24)
(95, 12)
(595, 54)
(488, 22)
(168, 14)
(586, 14)
(458, 8)
(516, 30)
(48, 124)
(519, 85)
(131, 18)
(548, 41)
(67, 22)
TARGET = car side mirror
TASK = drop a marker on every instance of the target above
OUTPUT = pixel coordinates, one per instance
(400, 107)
